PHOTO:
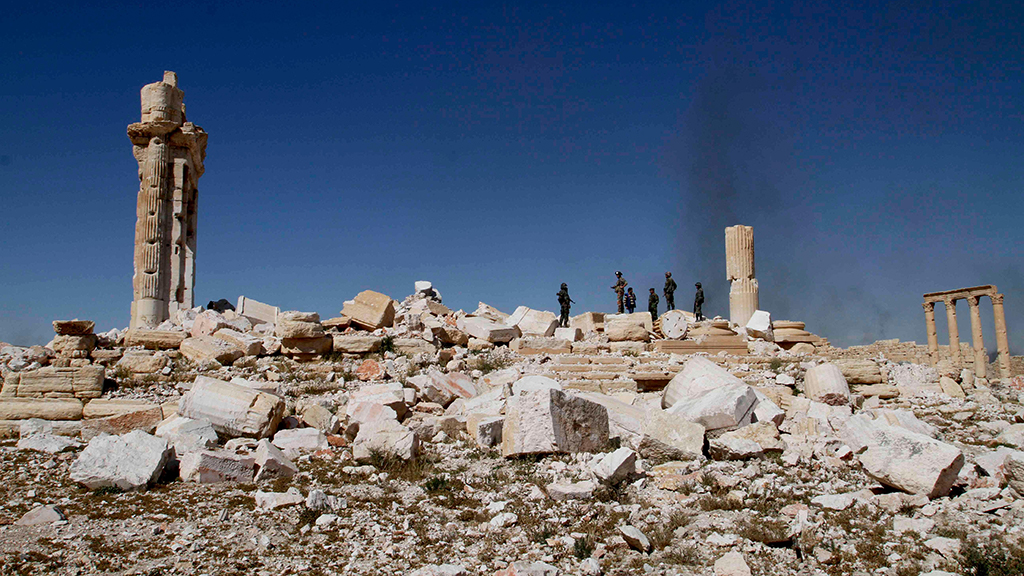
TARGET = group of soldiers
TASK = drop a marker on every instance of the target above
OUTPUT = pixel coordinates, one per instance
(626, 299)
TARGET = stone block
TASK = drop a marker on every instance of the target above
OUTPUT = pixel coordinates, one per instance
(911, 462)
(588, 322)
(52, 382)
(615, 467)
(257, 312)
(155, 339)
(860, 371)
(724, 408)
(444, 388)
(699, 375)
(370, 310)
(548, 420)
(320, 418)
(314, 346)
(412, 346)
(298, 440)
(129, 462)
(826, 383)
(186, 434)
(143, 362)
(541, 345)
(210, 466)
(561, 492)
(485, 429)
(205, 349)
(625, 421)
(73, 346)
(570, 334)
(747, 442)
(233, 410)
(634, 327)
(249, 344)
(43, 408)
(665, 437)
(385, 436)
(355, 343)
(533, 322)
(40, 515)
(208, 322)
(272, 463)
(294, 324)
(675, 324)
(74, 327)
(484, 329)
(760, 325)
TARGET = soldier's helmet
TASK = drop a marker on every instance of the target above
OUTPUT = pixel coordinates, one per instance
(697, 284)
(618, 273)
(667, 274)
(564, 285)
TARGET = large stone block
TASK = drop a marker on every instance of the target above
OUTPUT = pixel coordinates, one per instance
(143, 362)
(723, 408)
(186, 434)
(249, 345)
(549, 420)
(74, 327)
(74, 346)
(634, 327)
(385, 436)
(232, 409)
(588, 322)
(208, 322)
(257, 312)
(826, 383)
(911, 462)
(295, 324)
(317, 346)
(570, 334)
(484, 329)
(370, 310)
(211, 466)
(355, 343)
(533, 322)
(666, 437)
(698, 376)
(760, 325)
(44, 408)
(860, 371)
(129, 462)
(206, 349)
(443, 388)
(675, 324)
(625, 421)
(52, 382)
(155, 339)
(541, 345)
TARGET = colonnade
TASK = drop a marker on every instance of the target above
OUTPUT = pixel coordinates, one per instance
(972, 296)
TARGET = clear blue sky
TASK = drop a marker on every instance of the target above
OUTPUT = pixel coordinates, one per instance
(499, 150)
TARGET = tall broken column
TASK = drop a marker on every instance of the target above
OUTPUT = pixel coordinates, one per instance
(739, 270)
(170, 152)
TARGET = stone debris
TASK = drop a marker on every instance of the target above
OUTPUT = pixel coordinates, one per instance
(272, 463)
(370, 310)
(547, 421)
(826, 383)
(129, 462)
(387, 438)
(732, 564)
(186, 434)
(233, 410)
(208, 466)
(47, 514)
(615, 466)
(636, 539)
(912, 462)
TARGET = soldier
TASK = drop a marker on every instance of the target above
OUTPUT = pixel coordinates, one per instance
(670, 292)
(564, 302)
(698, 300)
(620, 289)
(630, 301)
(652, 304)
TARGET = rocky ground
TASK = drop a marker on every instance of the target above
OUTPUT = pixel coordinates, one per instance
(803, 500)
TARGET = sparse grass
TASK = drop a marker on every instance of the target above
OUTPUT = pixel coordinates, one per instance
(387, 344)
(661, 534)
(487, 362)
(334, 357)
(995, 557)
(685, 555)
(317, 387)
(775, 365)
(583, 547)
(307, 516)
(763, 530)
(399, 469)
(711, 502)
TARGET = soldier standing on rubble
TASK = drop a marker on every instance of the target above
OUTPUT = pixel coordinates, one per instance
(670, 292)
(620, 289)
(564, 303)
(652, 304)
(698, 301)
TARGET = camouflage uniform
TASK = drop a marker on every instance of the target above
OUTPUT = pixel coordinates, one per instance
(652, 305)
(620, 289)
(564, 302)
(670, 293)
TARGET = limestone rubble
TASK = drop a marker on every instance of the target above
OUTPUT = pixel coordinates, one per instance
(420, 439)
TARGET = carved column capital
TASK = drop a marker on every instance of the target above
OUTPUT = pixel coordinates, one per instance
(950, 303)
(997, 298)
(972, 301)
(928, 306)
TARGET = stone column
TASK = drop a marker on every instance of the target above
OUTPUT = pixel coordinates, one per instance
(980, 357)
(1002, 340)
(929, 327)
(954, 332)
(170, 152)
(739, 270)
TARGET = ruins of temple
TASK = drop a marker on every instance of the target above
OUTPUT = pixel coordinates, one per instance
(972, 295)
(739, 269)
(170, 152)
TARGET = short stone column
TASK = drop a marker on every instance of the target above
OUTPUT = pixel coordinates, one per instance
(929, 327)
(739, 270)
(954, 332)
(1002, 341)
(980, 357)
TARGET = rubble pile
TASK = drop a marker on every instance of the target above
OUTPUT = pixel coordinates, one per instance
(404, 437)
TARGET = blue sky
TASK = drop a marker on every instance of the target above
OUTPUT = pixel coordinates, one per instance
(501, 149)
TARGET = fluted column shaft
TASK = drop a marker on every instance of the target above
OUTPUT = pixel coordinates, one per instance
(954, 333)
(1002, 340)
(980, 357)
(929, 326)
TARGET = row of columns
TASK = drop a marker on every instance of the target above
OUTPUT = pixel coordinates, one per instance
(980, 355)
